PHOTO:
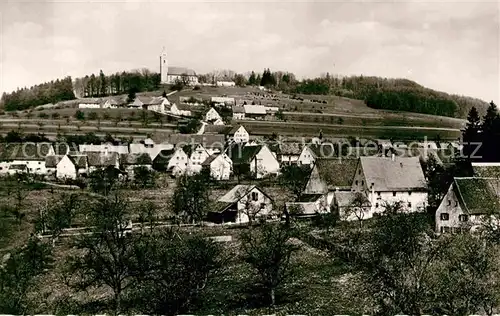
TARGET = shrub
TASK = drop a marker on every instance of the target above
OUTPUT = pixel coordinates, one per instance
(43, 115)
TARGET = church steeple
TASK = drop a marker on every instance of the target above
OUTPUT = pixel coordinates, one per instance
(163, 66)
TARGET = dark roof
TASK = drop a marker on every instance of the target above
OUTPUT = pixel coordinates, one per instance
(64, 148)
(52, 161)
(98, 159)
(287, 148)
(329, 174)
(486, 170)
(478, 195)
(164, 156)
(238, 109)
(209, 160)
(393, 175)
(323, 150)
(241, 154)
(217, 129)
(184, 107)
(207, 141)
(234, 195)
(79, 160)
(309, 197)
(135, 159)
(24, 151)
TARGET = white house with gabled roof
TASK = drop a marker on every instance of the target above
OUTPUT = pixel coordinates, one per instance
(219, 165)
(241, 135)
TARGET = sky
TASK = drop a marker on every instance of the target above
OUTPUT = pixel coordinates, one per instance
(452, 46)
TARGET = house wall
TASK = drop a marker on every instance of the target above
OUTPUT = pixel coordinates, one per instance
(4, 167)
(289, 159)
(238, 116)
(89, 106)
(450, 205)
(212, 115)
(241, 135)
(65, 169)
(34, 166)
(179, 160)
(221, 167)
(121, 149)
(262, 200)
(199, 155)
(314, 184)
(266, 163)
(306, 157)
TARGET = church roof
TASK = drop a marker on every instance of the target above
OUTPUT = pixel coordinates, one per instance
(181, 71)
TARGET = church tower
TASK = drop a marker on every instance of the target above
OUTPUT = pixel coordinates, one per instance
(163, 66)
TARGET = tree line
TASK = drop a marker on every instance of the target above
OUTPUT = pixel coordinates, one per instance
(48, 92)
(117, 83)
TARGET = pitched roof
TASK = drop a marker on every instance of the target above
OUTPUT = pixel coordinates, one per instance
(305, 198)
(181, 71)
(344, 198)
(164, 156)
(24, 151)
(98, 159)
(237, 192)
(80, 161)
(89, 101)
(183, 107)
(207, 141)
(238, 109)
(287, 148)
(209, 160)
(336, 173)
(486, 169)
(393, 175)
(323, 150)
(478, 195)
(217, 129)
(240, 154)
(52, 161)
(135, 159)
(64, 148)
(255, 109)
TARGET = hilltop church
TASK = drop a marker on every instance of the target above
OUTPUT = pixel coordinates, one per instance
(170, 74)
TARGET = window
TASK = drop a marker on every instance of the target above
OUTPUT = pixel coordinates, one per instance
(376, 205)
(444, 216)
(449, 202)
(356, 182)
(177, 157)
(463, 218)
(378, 193)
(409, 204)
(362, 182)
(456, 203)
(255, 196)
(409, 193)
(393, 193)
(39, 162)
(359, 171)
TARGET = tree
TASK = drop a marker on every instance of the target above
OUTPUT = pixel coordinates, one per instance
(239, 80)
(108, 252)
(471, 136)
(358, 207)
(191, 198)
(144, 177)
(103, 181)
(103, 91)
(79, 115)
(18, 275)
(268, 251)
(294, 178)
(252, 80)
(93, 116)
(490, 130)
(131, 95)
(177, 270)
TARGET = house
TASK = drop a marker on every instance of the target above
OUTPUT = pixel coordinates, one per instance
(238, 112)
(178, 162)
(241, 204)
(162, 159)
(180, 109)
(220, 166)
(329, 175)
(197, 155)
(213, 143)
(157, 104)
(255, 111)
(222, 100)
(308, 205)
(212, 116)
(239, 134)
(30, 155)
(467, 203)
(51, 162)
(225, 84)
(148, 146)
(351, 206)
(256, 160)
(102, 160)
(288, 153)
(129, 162)
(215, 129)
(104, 148)
(311, 152)
(111, 103)
(388, 180)
(90, 103)
(71, 167)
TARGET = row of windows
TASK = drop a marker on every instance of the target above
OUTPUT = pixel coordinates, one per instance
(461, 217)
(377, 205)
(449, 203)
